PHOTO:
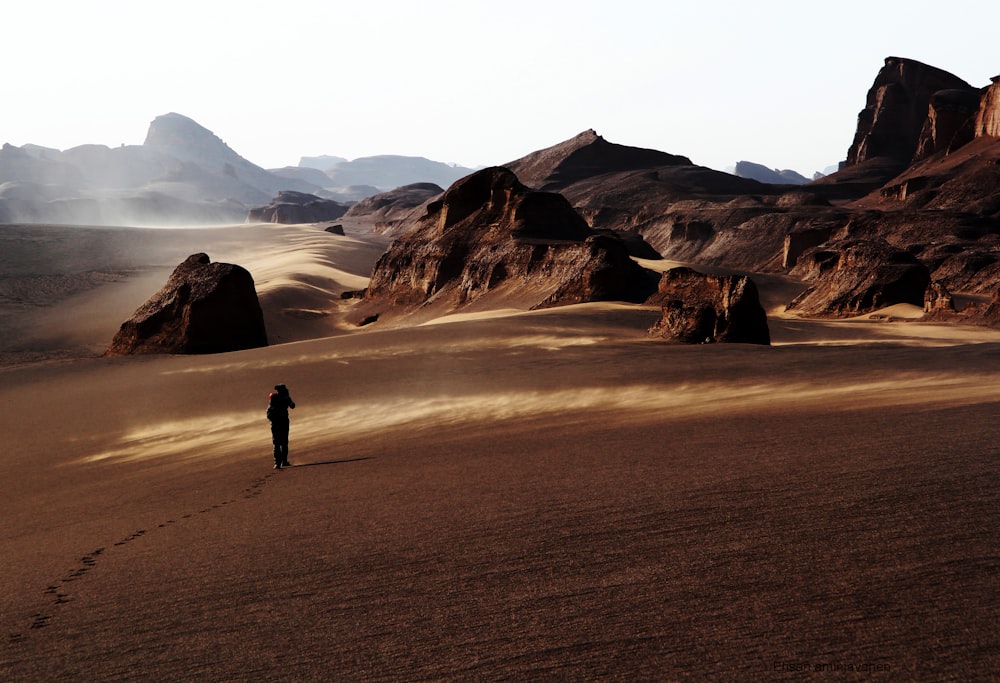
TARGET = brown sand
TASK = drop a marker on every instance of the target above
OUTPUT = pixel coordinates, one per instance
(543, 496)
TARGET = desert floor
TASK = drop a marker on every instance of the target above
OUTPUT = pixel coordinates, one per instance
(501, 496)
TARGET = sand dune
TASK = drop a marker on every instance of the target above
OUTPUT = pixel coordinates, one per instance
(529, 496)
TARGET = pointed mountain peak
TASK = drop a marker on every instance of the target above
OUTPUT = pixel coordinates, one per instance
(585, 155)
(187, 140)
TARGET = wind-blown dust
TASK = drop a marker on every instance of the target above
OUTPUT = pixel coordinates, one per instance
(545, 495)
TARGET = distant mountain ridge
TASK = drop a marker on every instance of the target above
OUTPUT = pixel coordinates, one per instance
(182, 174)
(748, 169)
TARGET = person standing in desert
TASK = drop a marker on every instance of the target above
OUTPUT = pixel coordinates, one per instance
(278, 404)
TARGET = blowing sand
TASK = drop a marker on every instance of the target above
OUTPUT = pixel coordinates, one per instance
(508, 496)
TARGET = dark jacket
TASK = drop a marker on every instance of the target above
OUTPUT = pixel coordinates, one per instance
(278, 404)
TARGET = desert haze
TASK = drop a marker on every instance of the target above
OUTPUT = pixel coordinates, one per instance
(500, 495)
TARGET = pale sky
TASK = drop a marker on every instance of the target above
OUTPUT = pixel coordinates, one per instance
(778, 82)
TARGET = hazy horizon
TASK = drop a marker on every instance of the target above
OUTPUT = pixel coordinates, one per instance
(775, 83)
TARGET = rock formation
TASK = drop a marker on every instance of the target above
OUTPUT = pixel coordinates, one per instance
(203, 308)
(703, 309)
(988, 117)
(943, 208)
(297, 207)
(949, 123)
(391, 210)
(585, 156)
(940, 306)
(852, 277)
(490, 236)
(938, 300)
(897, 106)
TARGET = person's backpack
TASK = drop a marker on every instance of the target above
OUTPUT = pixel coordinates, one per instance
(271, 412)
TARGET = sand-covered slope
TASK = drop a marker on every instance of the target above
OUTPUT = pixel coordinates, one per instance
(548, 495)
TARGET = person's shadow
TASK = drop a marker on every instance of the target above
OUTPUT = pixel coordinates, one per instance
(329, 462)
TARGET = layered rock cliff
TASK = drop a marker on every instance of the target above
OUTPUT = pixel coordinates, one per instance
(896, 108)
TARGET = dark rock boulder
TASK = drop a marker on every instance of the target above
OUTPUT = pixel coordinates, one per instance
(490, 236)
(704, 309)
(853, 277)
(204, 308)
(938, 300)
(297, 207)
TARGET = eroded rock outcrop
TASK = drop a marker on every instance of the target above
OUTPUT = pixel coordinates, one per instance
(297, 207)
(389, 210)
(704, 309)
(490, 236)
(853, 277)
(940, 306)
(896, 108)
(949, 123)
(205, 307)
(938, 300)
(988, 117)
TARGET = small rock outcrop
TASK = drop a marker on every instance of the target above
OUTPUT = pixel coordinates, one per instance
(853, 277)
(938, 300)
(297, 207)
(204, 308)
(707, 309)
(491, 235)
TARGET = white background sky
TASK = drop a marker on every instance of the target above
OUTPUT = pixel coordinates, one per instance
(779, 82)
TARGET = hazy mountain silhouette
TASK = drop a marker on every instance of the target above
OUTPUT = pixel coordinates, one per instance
(389, 171)
(182, 174)
(759, 172)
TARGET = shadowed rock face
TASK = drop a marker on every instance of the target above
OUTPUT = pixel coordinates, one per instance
(297, 207)
(705, 309)
(897, 105)
(854, 277)
(389, 210)
(950, 122)
(204, 308)
(489, 234)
